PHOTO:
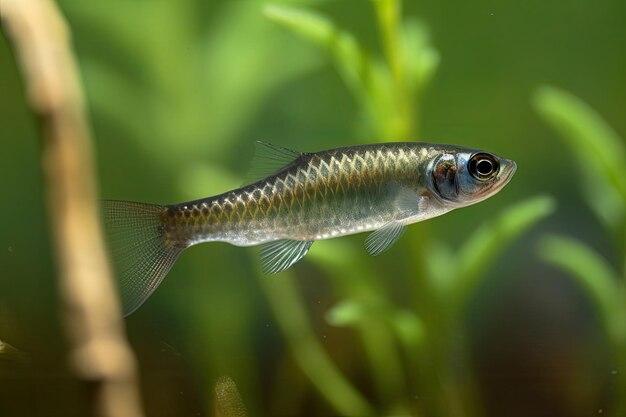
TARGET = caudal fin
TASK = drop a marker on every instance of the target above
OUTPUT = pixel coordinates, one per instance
(140, 253)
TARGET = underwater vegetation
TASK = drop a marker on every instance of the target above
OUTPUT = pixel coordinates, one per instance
(177, 98)
(599, 152)
(409, 346)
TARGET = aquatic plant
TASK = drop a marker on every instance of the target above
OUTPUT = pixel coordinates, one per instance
(407, 347)
(177, 98)
(600, 155)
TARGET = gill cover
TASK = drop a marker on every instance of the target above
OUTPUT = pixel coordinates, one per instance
(444, 177)
(466, 177)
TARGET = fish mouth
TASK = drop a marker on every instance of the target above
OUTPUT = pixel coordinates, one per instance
(512, 167)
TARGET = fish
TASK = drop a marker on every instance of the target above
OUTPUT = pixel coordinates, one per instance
(294, 198)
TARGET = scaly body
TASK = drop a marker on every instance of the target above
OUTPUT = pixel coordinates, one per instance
(318, 196)
(302, 198)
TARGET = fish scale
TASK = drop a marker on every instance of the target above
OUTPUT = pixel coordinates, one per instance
(303, 197)
(285, 205)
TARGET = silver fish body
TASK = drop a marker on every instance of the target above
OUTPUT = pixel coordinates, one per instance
(306, 197)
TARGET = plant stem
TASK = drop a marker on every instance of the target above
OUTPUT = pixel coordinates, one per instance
(389, 13)
(291, 316)
(357, 283)
(98, 350)
(378, 339)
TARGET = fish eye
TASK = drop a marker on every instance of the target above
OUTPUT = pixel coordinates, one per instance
(483, 166)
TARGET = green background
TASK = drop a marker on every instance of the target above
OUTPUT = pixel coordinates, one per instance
(177, 94)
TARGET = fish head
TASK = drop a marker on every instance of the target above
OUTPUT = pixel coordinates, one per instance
(463, 177)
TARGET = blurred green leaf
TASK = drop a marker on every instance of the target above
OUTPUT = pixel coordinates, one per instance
(405, 323)
(367, 77)
(604, 200)
(379, 326)
(581, 126)
(366, 308)
(599, 150)
(385, 90)
(350, 58)
(488, 242)
(409, 328)
(188, 86)
(336, 254)
(440, 265)
(389, 13)
(309, 24)
(593, 273)
(422, 59)
(346, 313)
(291, 316)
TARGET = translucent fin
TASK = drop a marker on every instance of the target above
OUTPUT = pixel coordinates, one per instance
(268, 159)
(407, 200)
(281, 254)
(382, 239)
(141, 256)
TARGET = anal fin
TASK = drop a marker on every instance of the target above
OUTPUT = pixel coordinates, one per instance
(281, 254)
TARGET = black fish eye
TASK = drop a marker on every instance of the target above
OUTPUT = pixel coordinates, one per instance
(483, 166)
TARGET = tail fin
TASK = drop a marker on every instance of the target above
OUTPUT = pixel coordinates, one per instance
(140, 253)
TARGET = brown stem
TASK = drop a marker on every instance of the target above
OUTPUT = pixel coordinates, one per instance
(99, 352)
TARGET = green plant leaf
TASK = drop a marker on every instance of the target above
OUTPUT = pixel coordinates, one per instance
(440, 265)
(600, 152)
(291, 316)
(368, 78)
(349, 57)
(484, 245)
(345, 313)
(389, 13)
(580, 125)
(309, 24)
(409, 328)
(593, 273)
(422, 59)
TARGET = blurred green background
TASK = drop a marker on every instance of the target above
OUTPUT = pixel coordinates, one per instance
(475, 313)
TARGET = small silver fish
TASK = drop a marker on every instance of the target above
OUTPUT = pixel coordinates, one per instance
(301, 198)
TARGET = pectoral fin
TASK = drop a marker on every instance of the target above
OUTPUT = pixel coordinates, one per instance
(281, 254)
(406, 200)
(382, 239)
(407, 203)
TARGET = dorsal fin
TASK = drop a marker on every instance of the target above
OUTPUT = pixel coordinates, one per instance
(268, 159)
